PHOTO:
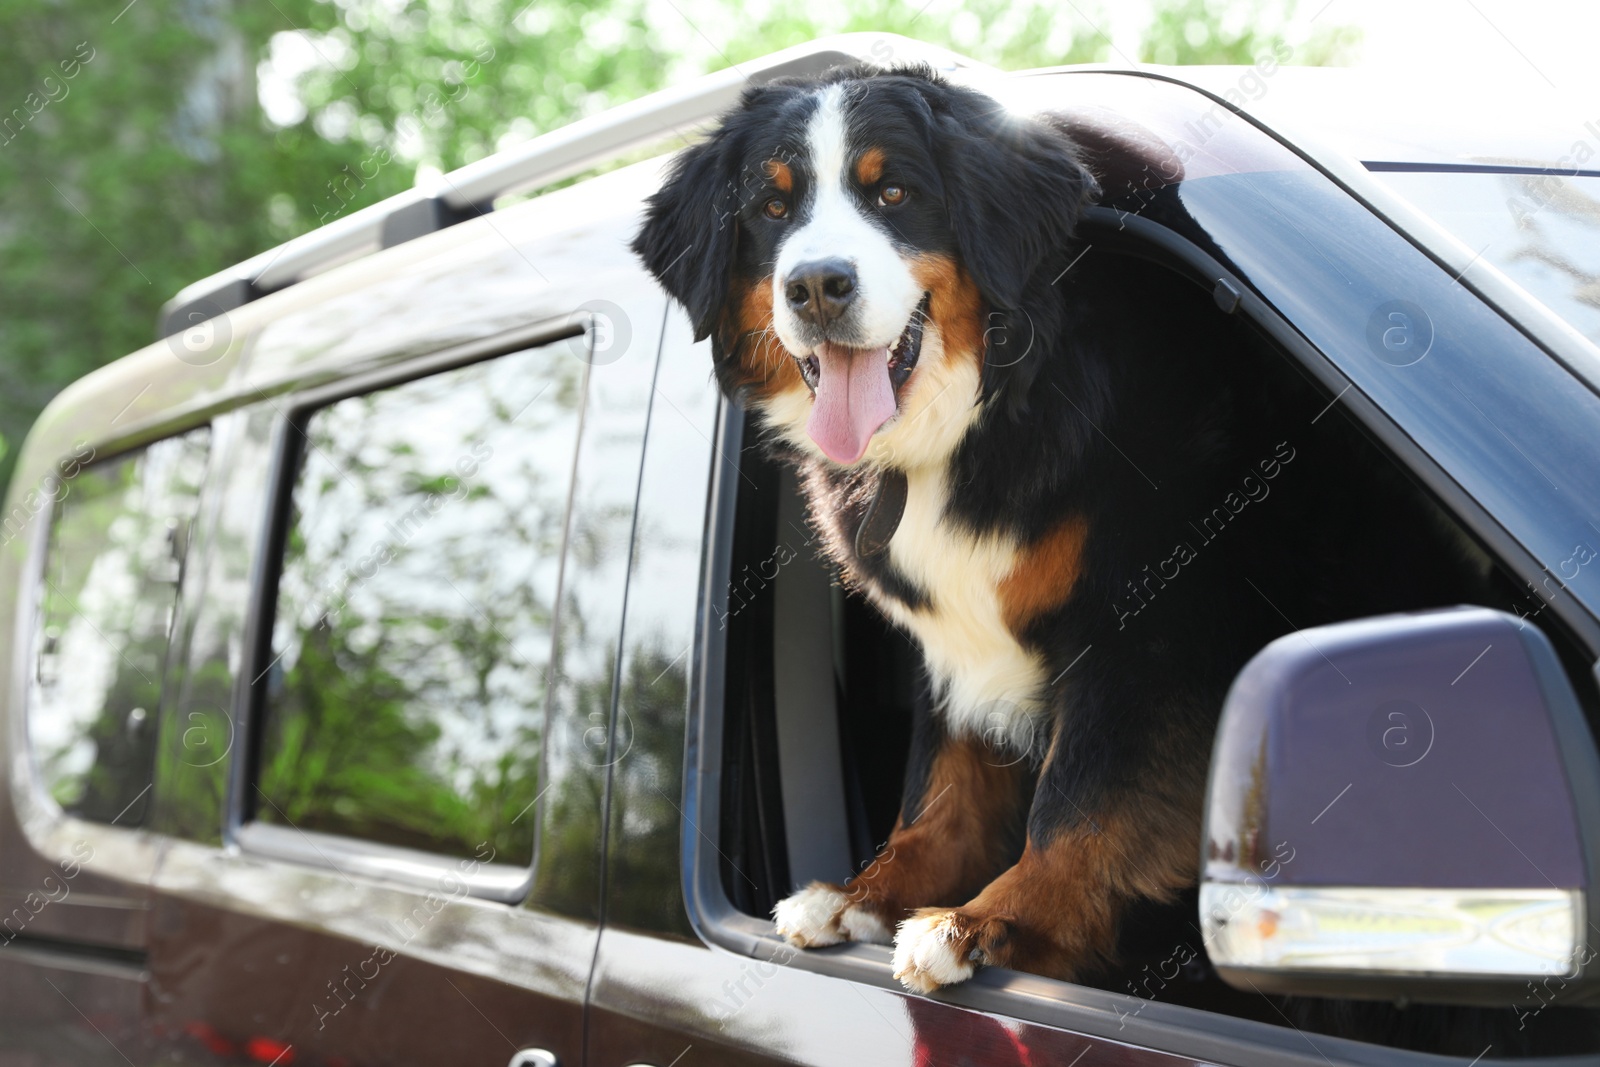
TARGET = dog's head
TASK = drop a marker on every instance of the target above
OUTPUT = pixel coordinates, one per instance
(861, 249)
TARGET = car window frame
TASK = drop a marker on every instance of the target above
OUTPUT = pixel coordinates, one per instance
(1384, 425)
(498, 882)
(1359, 180)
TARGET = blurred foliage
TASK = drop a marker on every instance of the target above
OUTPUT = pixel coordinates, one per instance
(143, 146)
(1191, 31)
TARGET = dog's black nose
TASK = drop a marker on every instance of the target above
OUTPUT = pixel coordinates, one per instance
(820, 291)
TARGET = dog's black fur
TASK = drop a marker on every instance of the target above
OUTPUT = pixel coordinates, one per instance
(1218, 509)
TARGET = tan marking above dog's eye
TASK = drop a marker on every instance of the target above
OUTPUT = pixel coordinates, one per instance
(891, 194)
(869, 168)
(775, 208)
(779, 174)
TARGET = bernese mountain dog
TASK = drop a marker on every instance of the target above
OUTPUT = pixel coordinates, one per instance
(1061, 470)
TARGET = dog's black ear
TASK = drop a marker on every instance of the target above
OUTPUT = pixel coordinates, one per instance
(690, 232)
(1015, 189)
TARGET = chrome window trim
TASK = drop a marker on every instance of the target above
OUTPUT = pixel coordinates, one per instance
(353, 857)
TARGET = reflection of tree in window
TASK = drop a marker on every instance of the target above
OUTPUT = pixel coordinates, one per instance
(112, 568)
(406, 701)
(645, 884)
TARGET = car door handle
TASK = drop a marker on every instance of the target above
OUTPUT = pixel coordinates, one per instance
(534, 1057)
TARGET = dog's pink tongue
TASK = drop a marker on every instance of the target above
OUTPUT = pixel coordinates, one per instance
(854, 397)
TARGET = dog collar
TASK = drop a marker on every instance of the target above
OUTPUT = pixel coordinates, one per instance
(878, 525)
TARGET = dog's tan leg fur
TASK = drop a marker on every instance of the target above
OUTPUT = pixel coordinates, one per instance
(1055, 912)
(963, 831)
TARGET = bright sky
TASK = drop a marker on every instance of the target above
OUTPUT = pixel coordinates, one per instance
(1515, 44)
(1511, 42)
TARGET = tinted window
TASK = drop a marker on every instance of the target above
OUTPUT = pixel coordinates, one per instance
(112, 570)
(405, 697)
(1507, 422)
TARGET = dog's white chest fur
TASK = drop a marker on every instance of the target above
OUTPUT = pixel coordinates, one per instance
(988, 684)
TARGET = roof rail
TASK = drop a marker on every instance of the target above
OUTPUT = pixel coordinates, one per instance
(471, 190)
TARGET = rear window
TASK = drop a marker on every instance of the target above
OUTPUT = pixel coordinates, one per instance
(118, 538)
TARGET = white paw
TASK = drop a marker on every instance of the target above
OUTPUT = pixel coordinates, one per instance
(810, 918)
(822, 914)
(928, 952)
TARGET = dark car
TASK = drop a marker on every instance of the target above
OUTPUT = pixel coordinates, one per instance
(410, 659)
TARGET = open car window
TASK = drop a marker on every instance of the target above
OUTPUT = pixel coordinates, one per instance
(1504, 422)
(1462, 401)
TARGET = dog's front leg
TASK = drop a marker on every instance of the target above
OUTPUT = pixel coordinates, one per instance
(961, 823)
(1097, 841)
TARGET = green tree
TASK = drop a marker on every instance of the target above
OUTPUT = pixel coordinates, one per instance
(133, 160)
(1202, 31)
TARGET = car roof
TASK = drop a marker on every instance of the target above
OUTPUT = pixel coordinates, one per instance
(471, 191)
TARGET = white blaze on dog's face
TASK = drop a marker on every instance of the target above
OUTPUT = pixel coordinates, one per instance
(843, 295)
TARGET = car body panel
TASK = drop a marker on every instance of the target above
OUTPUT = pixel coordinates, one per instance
(243, 948)
(520, 972)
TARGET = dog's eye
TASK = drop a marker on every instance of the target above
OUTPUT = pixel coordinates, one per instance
(890, 195)
(775, 208)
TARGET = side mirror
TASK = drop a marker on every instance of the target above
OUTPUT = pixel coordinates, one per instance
(1404, 807)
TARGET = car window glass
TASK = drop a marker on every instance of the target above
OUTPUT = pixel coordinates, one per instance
(405, 695)
(113, 565)
(1541, 230)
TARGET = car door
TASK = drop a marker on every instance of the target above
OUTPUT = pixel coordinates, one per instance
(409, 792)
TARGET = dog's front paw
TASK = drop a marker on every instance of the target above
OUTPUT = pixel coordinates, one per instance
(931, 950)
(944, 946)
(822, 914)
